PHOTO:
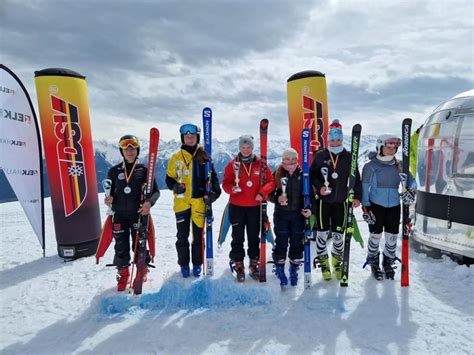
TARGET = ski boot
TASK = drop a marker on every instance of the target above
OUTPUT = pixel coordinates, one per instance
(325, 268)
(239, 268)
(336, 262)
(294, 267)
(388, 267)
(197, 270)
(253, 269)
(279, 271)
(122, 278)
(374, 262)
(185, 271)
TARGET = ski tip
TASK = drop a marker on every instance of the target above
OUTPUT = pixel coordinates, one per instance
(264, 123)
(206, 112)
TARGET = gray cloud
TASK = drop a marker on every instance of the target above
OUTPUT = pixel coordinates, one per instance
(405, 94)
(160, 62)
(143, 35)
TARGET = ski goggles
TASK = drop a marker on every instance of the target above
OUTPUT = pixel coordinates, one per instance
(129, 142)
(392, 142)
(189, 129)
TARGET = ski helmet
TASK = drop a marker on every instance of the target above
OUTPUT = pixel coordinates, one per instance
(129, 140)
(189, 128)
(387, 139)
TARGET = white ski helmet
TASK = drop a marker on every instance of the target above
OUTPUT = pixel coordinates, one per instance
(385, 139)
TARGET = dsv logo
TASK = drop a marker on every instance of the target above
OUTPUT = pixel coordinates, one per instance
(69, 153)
(313, 119)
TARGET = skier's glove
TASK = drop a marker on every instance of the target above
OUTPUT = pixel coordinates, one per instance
(368, 215)
(211, 198)
(408, 197)
(179, 188)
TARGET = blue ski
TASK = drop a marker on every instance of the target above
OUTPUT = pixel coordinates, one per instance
(307, 205)
(207, 127)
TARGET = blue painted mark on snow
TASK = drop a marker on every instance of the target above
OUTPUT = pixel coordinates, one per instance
(215, 294)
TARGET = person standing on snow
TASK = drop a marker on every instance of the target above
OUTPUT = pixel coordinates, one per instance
(381, 203)
(242, 182)
(329, 174)
(288, 217)
(127, 179)
(186, 177)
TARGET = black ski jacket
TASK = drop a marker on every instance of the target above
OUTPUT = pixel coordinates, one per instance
(128, 204)
(294, 190)
(339, 185)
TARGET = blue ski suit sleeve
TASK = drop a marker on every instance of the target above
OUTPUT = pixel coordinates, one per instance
(367, 176)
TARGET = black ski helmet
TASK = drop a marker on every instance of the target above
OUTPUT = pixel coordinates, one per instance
(190, 128)
(129, 140)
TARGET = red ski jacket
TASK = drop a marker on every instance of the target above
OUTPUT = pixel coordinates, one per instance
(249, 176)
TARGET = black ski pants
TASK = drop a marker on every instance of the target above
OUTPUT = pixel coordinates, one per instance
(183, 222)
(386, 219)
(244, 219)
(124, 227)
(289, 229)
(332, 216)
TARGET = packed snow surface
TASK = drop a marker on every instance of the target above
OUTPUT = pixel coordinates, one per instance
(49, 306)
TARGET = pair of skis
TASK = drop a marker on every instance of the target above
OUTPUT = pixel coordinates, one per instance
(264, 221)
(356, 131)
(145, 230)
(305, 147)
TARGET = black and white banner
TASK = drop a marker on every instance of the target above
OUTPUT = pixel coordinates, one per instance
(20, 149)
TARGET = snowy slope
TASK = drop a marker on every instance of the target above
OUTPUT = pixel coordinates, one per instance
(52, 307)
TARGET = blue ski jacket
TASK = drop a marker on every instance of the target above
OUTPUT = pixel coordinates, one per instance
(380, 182)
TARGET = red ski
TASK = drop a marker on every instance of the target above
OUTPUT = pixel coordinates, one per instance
(145, 226)
(406, 132)
(264, 222)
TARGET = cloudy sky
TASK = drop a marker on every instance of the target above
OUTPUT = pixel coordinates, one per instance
(158, 63)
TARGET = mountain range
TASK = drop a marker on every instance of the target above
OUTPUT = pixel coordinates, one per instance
(107, 154)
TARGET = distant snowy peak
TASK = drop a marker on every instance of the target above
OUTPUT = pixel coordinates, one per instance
(221, 150)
